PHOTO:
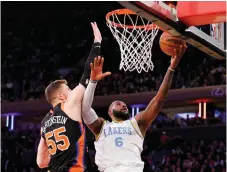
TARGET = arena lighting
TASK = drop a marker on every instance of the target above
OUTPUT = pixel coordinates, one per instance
(138, 105)
(12, 123)
(201, 100)
(136, 108)
(10, 119)
(11, 114)
(204, 110)
(185, 114)
(7, 121)
(133, 112)
(200, 109)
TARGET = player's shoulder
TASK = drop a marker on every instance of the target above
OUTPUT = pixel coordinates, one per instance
(106, 121)
(132, 119)
(47, 116)
(102, 122)
(72, 112)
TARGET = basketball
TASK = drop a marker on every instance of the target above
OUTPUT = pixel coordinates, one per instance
(168, 43)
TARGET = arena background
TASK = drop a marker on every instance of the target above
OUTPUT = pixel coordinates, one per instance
(44, 41)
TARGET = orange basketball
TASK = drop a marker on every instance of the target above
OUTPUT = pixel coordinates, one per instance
(168, 43)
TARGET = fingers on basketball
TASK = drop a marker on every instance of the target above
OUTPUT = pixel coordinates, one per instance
(168, 43)
(180, 51)
(174, 53)
(184, 48)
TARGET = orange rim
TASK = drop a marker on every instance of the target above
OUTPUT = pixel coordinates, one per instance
(127, 11)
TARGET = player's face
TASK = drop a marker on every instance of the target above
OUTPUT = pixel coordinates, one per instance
(119, 110)
(64, 92)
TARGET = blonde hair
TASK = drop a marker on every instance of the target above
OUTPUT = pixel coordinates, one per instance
(52, 87)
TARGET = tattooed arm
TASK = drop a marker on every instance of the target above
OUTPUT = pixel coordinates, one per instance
(145, 118)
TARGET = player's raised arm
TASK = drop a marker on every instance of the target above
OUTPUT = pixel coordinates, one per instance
(89, 116)
(77, 93)
(43, 155)
(146, 117)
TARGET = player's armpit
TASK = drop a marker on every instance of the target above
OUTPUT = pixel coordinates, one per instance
(76, 96)
(96, 127)
(72, 107)
(43, 155)
(146, 117)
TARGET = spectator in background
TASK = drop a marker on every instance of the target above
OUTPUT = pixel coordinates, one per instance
(23, 53)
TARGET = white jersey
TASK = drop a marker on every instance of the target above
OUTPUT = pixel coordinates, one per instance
(119, 146)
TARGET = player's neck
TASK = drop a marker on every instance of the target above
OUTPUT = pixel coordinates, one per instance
(117, 120)
(56, 103)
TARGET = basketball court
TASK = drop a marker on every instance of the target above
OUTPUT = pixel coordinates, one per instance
(136, 27)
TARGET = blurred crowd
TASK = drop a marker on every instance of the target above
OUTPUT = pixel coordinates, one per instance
(189, 122)
(18, 154)
(49, 48)
(28, 68)
(201, 75)
(18, 150)
(197, 156)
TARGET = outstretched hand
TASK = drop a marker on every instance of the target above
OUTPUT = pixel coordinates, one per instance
(96, 69)
(177, 56)
(96, 31)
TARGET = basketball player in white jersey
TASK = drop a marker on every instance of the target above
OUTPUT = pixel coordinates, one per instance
(119, 143)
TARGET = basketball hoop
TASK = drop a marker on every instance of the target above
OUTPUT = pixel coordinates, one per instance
(135, 36)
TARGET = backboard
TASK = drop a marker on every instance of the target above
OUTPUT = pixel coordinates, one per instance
(166, 17)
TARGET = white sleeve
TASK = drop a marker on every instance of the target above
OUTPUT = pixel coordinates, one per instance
(88, 114)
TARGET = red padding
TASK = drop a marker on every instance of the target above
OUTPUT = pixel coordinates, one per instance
(194, 13)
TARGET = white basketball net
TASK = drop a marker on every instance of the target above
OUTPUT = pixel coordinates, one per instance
(135, 43)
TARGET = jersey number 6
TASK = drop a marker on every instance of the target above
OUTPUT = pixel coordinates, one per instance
(118, 141)
(51, 143)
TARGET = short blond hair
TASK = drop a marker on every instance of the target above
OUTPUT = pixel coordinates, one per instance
(52, 88)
